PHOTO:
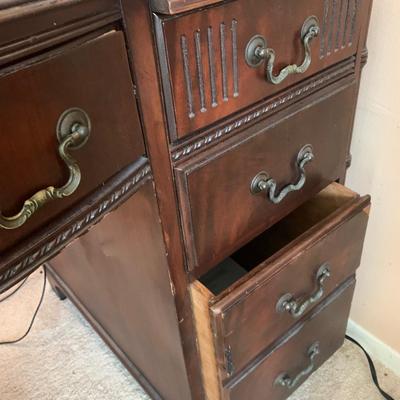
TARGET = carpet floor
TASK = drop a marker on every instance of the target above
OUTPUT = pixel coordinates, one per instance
(62, 358)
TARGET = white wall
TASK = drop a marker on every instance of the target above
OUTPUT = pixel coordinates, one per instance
(376, 170)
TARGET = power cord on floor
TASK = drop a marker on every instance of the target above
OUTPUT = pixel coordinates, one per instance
(370, 362)
(372, 368)
(34, 314)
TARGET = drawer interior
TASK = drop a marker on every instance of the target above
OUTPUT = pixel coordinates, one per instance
(264, 248)
(237, 295)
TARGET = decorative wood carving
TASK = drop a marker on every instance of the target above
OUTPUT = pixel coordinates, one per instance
(364, 57)
(217, 134)
(205, 75)
(338, 25)
(258, 148)
(31, 255)
(224, 40)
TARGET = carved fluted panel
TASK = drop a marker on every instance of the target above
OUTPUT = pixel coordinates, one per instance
(338, 25)
(210, 67)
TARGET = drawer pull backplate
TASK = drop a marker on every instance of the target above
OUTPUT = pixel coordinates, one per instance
(73, 131)
(296, 307)
(263, 183)
(257, 52)
(286, 381)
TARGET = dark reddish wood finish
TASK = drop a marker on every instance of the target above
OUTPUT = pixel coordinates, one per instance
(27, 27)
(31, 253)
(336, 76)
(226, 29)
(177, 6)
(119, 272)
(219, 212)
(361, 60)
(314, 234)
(152, 306)
(326, 325)
(138, 23)
(63, 292)
(31, 101)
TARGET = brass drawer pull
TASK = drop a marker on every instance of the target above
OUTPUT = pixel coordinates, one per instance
(257, 52)
(296, 307)
(73, 131)
(286, 381)
(263, 183)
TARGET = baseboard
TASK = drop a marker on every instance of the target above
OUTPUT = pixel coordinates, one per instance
(375, 347)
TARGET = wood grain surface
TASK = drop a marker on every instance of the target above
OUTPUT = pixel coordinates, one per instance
(31, 102)
(326, 325)
(119, 272)
(285, 260)
(219, 212)
(203, 54)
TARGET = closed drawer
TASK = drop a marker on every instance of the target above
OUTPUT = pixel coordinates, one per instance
(89, 84)
(207, 73)
(297, 355)
(262, 290)
(220, 211)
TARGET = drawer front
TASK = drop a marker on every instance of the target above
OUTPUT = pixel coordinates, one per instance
(283, 290)
(208, 76)
(298, 354)
(219, 210)
(92, 83)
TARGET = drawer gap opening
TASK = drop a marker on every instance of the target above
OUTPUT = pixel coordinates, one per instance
(268, 244)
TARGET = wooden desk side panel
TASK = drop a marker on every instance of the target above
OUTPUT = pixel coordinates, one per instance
(119, 274)
(140, 39)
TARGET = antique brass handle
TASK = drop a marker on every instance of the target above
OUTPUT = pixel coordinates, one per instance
(297, 307)
(257, 52)
(263, 183)
(286, 381)
(73, 132)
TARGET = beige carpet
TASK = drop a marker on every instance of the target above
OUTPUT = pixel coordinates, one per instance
(64, 359)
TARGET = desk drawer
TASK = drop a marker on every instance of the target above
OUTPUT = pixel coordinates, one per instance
(262, 290)
(209, 67)
(298, 354)
(89, 85)
(221, 212)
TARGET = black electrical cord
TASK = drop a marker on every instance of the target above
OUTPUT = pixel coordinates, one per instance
(35, 313)
(14, 291)
(370, 362)
(372, 369)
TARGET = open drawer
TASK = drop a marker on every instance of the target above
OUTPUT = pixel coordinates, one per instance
(251, 299)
